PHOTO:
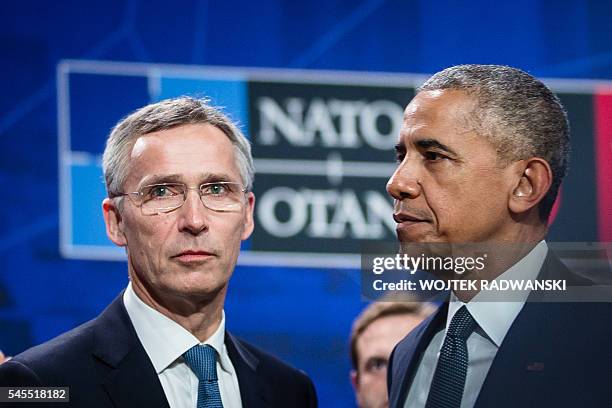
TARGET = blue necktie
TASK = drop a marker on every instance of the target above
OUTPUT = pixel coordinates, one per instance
(203, 362)
(448, 382)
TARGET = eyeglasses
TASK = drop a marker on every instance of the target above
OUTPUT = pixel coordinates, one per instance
(222, 196)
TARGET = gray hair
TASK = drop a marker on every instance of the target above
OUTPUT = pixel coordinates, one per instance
(517, 113)
(164, 115)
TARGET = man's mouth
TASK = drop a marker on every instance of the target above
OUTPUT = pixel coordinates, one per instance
(193, 256)
(402, 217)
(407, 220)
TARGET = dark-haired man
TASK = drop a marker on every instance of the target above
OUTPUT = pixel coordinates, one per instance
(481, 155)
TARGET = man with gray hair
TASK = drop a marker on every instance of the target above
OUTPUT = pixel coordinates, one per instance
(481, 156)
(179, 175)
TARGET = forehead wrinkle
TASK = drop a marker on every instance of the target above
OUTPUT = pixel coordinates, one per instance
(419, 117)
(148, 170)
(160, 178)
(408, 136)
(434, 106)
(206, 177)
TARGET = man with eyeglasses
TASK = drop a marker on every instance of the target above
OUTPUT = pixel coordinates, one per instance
(179, 175)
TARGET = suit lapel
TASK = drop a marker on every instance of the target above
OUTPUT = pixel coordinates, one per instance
(520, 361)
(253, 391)
(530, 348)
(407, 355)
(134, 383)
(126, 371)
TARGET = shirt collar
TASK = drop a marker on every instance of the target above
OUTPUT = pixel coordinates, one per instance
(493, 317)
(164, 340)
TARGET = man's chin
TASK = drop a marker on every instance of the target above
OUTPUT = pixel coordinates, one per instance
(194, 283)
(441, 243)
(406, 238)
(202, 292)
(410, 237)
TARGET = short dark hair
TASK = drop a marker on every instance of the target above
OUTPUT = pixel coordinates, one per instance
(517, 113)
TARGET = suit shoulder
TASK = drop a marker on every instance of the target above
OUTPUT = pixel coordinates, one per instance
(49, 362)
(289, 386)
(14, 373)
(272, 363)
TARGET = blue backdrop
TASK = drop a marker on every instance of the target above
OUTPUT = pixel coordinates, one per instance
(302, 315)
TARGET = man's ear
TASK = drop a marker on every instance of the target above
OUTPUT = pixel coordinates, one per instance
(249, 222)
(113, 221)
(534, 181)
(355, 380)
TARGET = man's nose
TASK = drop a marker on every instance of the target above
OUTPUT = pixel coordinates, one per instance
(193, 213)
(405, 182)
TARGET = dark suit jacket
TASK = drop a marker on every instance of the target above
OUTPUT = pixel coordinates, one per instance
(554, 355)
(105, 365)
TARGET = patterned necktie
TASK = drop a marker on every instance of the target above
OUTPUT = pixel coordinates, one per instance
(449, 378)
(203, 362)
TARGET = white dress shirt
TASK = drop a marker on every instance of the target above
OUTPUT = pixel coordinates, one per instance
(165, 341)
(494, 319)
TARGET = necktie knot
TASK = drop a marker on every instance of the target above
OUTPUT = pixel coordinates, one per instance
(462, 324)
(203, 362)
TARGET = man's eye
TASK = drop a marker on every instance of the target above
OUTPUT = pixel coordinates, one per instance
(376, 364)
(399, 157)
(215, 189)
(433, 156)
(160, 191)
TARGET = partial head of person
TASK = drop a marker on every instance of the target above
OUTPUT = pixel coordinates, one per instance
(3, 358)
(481, 156)
(376, 331)
(178, 175)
